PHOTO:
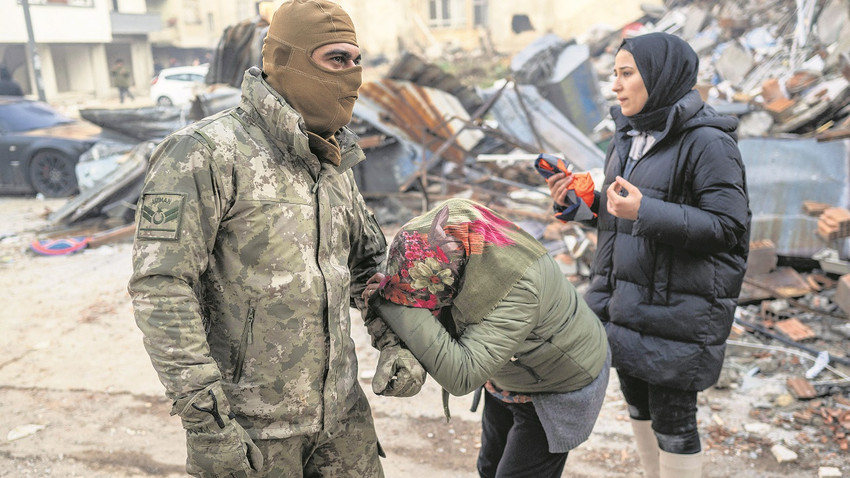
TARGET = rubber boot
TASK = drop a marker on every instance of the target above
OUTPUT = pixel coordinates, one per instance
(647, 446)
(673, 465)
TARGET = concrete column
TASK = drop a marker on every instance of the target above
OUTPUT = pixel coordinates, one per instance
(48, 71)
(142, 66)
(100, 72)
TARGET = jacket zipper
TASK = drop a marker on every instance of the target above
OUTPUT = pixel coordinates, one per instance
(247, 338)
(515, 361)
(326, 312)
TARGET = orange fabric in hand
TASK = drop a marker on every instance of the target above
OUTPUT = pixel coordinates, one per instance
(582, 184)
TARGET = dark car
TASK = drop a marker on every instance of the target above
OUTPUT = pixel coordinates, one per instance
(39, 148)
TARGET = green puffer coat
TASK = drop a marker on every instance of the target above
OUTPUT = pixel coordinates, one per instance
(248, 253)
(542, 337)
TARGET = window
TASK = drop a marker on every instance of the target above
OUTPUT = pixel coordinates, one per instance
(192, 12)
(67, 3)
(446, 13)
(479, 13)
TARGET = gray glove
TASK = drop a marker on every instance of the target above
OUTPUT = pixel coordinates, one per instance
(398, 373)
(215, 442)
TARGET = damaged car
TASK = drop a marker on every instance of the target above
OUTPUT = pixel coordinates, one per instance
(40, 147)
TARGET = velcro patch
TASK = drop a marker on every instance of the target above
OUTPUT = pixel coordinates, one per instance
(161, 215)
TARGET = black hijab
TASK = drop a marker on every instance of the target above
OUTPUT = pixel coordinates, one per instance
(668, 66)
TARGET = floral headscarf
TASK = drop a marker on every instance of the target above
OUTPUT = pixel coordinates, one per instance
(420, 274)
(460, 254)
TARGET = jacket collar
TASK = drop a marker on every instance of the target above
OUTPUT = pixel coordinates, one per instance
(285, 126)
(678, 120)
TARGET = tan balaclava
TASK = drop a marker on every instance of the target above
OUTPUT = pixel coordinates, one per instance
(324, 97)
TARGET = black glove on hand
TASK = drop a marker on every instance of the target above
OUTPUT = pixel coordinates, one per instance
(216, 444)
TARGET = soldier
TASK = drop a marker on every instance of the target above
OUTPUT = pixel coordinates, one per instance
(252, 242)
(122, 79)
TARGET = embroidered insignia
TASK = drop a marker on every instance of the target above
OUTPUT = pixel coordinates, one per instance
(161, 215)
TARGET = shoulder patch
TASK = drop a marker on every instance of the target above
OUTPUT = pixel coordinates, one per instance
(160, 216)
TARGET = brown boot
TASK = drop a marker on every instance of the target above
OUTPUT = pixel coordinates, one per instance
(673, 465)
(647, 446)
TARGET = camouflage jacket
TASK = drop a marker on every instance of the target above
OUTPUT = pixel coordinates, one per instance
(248, 254)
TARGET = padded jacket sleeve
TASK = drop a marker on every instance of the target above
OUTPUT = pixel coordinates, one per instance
(464, 364)
(165, 272)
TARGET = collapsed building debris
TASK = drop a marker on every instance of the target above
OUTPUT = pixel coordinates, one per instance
(786, 58)
(783, 69)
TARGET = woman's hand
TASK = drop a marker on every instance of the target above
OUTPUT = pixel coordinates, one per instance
(371, 286)
(623, 199)
(558, 185)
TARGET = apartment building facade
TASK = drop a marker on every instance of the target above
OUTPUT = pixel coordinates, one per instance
(78, 40)
(385, 27)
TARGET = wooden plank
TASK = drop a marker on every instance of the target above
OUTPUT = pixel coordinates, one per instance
(112, 235)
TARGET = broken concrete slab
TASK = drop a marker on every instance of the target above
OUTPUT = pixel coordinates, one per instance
(842, 293)
(733, 62)
(833, 18)
(762, 258)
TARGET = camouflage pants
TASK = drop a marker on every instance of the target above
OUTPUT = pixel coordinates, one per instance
(351, 452)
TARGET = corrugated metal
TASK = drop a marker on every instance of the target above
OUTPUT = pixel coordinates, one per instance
(418, 115)
(556, 133)
(781, 174)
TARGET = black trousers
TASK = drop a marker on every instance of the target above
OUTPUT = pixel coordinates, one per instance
(673, 413)
(513, 443)
(124, 91)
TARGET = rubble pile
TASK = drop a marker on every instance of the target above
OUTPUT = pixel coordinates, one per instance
(781, 66)
(830, 417)
(743, 442)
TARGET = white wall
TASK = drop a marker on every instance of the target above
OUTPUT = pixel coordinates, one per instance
(378, 23)
(132, 6)
(74, 68)
(56, 23)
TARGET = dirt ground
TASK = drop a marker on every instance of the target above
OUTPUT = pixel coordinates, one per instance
(80, 398)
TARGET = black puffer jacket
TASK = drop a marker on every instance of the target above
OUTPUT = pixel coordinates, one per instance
(666, 285)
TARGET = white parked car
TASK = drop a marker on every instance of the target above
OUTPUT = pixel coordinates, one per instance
(178, 86)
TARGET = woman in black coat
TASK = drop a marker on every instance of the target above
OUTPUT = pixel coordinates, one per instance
(673, 223)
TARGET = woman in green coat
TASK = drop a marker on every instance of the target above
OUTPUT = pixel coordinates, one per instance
(480, 303)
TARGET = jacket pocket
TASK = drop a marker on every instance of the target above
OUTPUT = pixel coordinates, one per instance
(660, 280)
(515, 361)
(247, 338)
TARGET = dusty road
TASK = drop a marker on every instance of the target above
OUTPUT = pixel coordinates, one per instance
(80, 398)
